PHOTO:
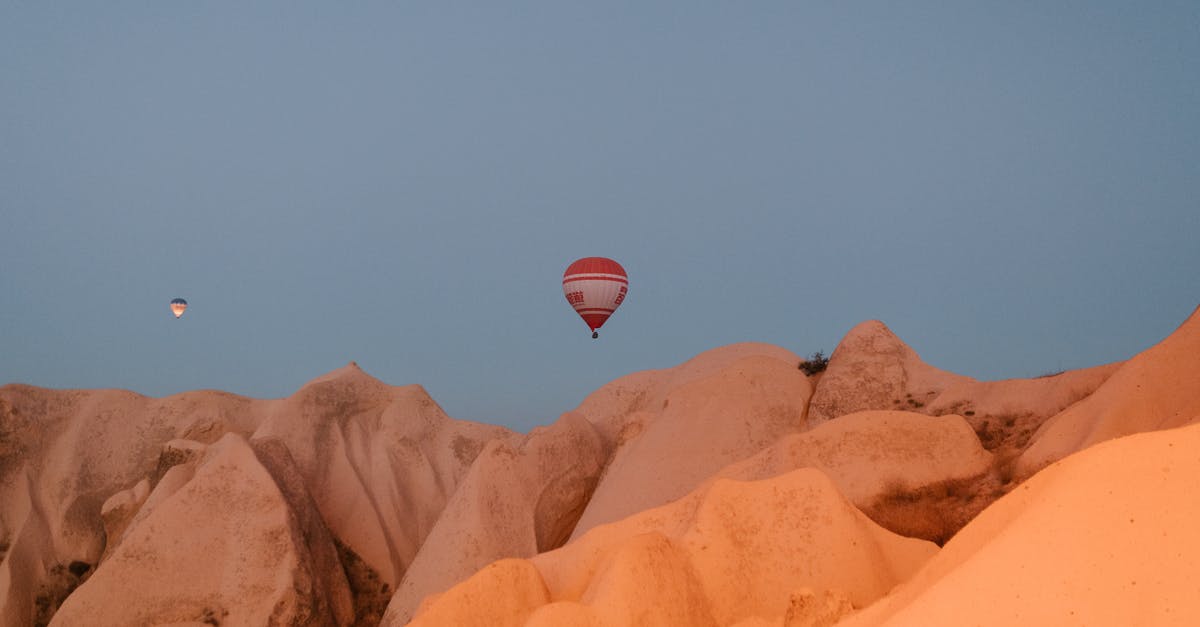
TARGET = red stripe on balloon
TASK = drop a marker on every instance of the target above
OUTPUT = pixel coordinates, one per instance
(594, 277)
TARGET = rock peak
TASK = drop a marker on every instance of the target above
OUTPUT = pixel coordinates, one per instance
(349, 372)
(873, 336)
(872, 368)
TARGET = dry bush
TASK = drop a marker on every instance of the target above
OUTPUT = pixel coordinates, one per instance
(817, 362)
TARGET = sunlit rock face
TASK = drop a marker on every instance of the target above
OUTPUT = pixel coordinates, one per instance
(1103, 537)
(727, 552)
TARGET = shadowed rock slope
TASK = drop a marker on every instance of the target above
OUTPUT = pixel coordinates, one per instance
(247, 556)
(65, 452)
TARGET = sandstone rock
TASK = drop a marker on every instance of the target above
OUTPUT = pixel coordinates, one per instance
(120, 504)
(65, 453)
(1157, 389)
(622, 591)
(328, 573)
(1006, 413)
(379, 461)
(226, 547)
(1040, 397)
(521, 497)
(867, 454)
(475, 602)
(728, 552)
(871, 368)
(565, 614)
(810, 609)
(724, 412)
(1103, 537)
(29, 595)
(611, 406)
(119, 510)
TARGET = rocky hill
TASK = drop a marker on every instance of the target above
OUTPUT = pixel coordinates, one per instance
(732, 489)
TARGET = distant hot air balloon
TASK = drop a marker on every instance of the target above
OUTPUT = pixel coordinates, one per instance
(595, 287)
(178, 306)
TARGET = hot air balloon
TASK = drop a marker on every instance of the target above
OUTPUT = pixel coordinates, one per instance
(595, 287)
(178, 306)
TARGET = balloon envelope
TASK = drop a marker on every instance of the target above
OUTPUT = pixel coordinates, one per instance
(595, 287)
(178, 306)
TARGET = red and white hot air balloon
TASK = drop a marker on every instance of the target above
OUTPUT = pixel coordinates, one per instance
(595, 287)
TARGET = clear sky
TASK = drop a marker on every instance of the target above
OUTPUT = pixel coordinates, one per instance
(1013, 187)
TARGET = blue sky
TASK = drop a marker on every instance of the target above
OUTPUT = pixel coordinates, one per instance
(1014, 188)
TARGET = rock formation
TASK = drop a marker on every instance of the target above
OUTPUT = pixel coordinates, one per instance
(728, 490)
(710, 417)
(224, 544)
(1103, 537)
(521, 497)
(730, 551)
(871, 368)
(380, 463)
(79, 469)
(869, 453)
(64, 453)
(1157, 389)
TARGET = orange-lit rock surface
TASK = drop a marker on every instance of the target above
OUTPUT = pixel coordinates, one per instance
(730, 551)
(1104, 537)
